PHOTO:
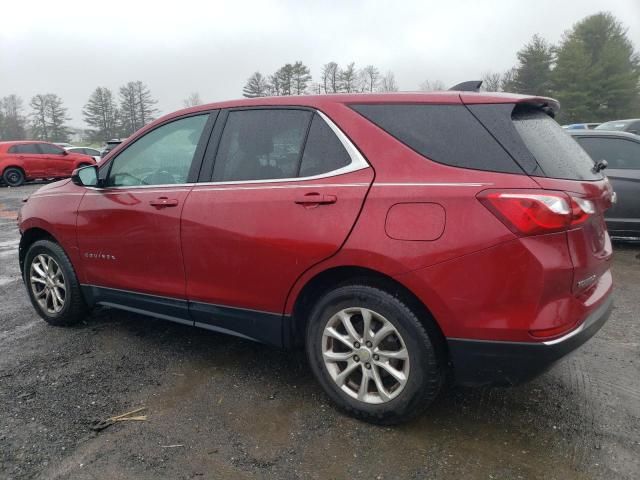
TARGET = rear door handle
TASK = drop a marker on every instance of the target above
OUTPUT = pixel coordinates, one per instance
(163, 202)
(315, 198)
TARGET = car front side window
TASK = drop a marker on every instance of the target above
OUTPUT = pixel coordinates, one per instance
(162, 156)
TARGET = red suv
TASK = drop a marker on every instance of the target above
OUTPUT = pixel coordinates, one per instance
(399, 238)
(28, 160)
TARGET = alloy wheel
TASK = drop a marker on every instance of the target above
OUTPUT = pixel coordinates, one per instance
(48, 283)
(365, 355)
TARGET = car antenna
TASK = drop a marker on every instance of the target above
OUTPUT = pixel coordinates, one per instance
(469, 86)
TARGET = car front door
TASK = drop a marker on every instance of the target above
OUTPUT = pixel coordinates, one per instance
(285, 191)
(129, 228)
(623, 170)
(58, 163)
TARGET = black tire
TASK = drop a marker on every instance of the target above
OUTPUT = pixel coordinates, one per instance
(426, 373)
(74, 307)
(13, 176)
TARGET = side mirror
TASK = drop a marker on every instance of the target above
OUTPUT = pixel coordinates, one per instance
(85, 176)
(64, 152)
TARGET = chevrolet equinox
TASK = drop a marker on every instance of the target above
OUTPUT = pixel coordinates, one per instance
(398, 238)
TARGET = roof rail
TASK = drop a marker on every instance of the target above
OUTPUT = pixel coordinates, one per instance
(470, 86)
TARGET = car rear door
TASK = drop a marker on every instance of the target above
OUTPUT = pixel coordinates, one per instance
(274, 205)
(129, 230)
(34, 163)
(623, 170)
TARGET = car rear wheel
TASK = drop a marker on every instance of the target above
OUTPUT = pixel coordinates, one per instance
(13, 176)
(372, 355)
(52, 284)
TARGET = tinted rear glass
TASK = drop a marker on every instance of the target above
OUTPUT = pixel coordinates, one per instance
(323, 151)
(556, 152)
(447, 134)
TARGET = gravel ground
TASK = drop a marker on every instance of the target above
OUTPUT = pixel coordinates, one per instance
(222, 407)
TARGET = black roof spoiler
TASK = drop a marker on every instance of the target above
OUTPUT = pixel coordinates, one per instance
(470, 86)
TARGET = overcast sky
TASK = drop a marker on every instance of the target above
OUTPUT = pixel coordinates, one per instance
(70, 47)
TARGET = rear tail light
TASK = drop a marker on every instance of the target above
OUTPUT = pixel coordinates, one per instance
(535, 212)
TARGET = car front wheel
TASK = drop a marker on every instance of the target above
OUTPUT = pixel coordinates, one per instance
(52, 284)
(372, 355)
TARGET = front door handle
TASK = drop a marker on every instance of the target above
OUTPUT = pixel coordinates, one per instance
(315, 198)
(163, 202)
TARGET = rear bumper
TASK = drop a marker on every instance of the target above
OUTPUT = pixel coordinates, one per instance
(484, 362)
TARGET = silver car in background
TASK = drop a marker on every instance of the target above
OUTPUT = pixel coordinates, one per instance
(621, 150)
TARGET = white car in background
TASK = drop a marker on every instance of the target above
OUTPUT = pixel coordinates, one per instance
(85, 151)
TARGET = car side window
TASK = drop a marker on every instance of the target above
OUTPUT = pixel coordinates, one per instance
(261, 144)
(49, 149)
(323, 151)
(619, 153)
(162, 156)
(24, 148)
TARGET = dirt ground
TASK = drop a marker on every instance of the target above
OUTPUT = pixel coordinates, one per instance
(222, 407)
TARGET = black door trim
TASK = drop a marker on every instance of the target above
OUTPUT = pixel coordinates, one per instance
(259, 326)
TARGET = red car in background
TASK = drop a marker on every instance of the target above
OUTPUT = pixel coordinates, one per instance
(27, 160)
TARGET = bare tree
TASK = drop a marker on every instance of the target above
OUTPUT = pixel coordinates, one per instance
(370, 77)
(193, 100)
(331, 77)
(388, 83)
(508, 80)
(492, 82)
(12, 120)
(256, 86)
(432, 86)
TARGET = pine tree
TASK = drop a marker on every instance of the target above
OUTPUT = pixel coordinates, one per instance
(301, 78)
(533, 72)
(49, 117)
(39, 123)
(136, 107)
(57, 116)
(349, 79)
(256, 86)
(101, 113)
(597, 71)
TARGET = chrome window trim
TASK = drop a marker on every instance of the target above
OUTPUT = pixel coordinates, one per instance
(358, 162)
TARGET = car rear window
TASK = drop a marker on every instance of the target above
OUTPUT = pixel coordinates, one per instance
(558, 155)
(447, 134)
(24, 148)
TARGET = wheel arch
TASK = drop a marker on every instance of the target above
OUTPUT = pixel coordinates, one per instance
(334, 277)
(28, 238)
(14, 165)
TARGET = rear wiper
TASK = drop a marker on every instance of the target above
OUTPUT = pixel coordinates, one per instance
(600, 165)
